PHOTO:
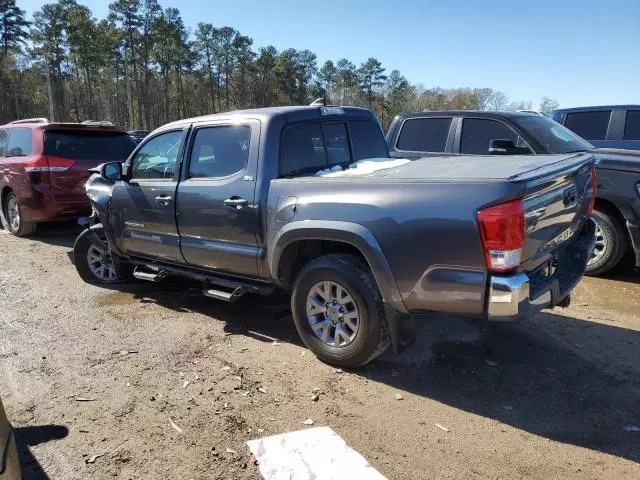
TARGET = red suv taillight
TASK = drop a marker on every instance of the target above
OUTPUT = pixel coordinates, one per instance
(594, 184)
(502, 228)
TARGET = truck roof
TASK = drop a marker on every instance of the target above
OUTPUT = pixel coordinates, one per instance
(595, 108)
(482, 113)
(295, 113)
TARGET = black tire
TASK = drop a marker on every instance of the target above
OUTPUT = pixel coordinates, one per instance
(80, 259)
(611, 242)
(23, 228)
(353, 274)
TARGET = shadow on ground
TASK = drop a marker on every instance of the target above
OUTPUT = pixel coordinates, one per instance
(559, 377)
(27, 437)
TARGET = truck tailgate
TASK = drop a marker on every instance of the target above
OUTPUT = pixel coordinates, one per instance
(556, 200)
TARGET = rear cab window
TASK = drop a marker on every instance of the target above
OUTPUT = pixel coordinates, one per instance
(313, 146)
(632, 125)
(424, 135)
(85, 144)
(589, 125)
(20, 143)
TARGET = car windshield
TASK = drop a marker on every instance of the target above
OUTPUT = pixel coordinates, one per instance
(551, 135)
(88, 145)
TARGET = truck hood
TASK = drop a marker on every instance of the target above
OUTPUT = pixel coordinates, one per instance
(484, 168)
(618, 159)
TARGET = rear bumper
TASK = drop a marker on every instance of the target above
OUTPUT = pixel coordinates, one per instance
(521, 295)
(46, 206)
(634, 234)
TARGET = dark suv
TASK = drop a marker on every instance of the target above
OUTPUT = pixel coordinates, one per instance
(616, 126)
(43, 168)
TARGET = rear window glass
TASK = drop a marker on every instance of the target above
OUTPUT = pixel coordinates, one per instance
(20, 142)
(303, 149)
(424, 135)
(88, 145)
(367, 140)
(632, 125)
(589, 125)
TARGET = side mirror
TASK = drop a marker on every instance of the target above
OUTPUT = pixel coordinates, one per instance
(501, 147)
(111, 171)
(506, 147)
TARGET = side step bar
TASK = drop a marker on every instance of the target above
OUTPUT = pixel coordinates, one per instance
(223, 295)
(149, 276)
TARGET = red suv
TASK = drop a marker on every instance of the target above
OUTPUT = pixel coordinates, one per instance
(44, 166)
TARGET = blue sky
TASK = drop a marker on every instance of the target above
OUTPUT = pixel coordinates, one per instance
(578, 52)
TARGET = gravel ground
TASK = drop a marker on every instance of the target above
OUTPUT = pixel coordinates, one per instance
(156, 381)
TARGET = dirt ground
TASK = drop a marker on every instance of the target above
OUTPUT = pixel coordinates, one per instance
(158, 382)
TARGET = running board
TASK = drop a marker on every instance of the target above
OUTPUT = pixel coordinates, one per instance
(149, 276)
(224, 295)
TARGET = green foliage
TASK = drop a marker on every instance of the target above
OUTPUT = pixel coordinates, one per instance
(141, 67)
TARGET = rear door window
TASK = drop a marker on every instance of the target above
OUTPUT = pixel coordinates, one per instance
(219, 151)
(367, 140)
(589, 125)
(424, 135)
(632, 125)
(477, 134)
(88, 145)
(20, 142)
(3, 142)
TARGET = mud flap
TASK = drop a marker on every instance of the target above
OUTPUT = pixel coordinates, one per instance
(402, 328)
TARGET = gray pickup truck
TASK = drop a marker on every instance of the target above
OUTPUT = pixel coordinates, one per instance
(235, 201)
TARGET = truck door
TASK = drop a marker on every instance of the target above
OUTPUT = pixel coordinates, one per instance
(216, 214)
(145, 223)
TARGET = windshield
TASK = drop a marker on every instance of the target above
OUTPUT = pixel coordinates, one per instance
(88, 145)
(551, 135)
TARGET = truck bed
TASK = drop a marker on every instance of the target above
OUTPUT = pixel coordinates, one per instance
(497, 168)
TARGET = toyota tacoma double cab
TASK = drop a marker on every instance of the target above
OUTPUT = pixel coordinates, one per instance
(617, 204)
(307, 200)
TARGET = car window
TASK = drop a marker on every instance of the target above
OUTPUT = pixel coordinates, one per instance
(219, 151)
(477, 134)
(94, 145)
(3, 142)
(367, 140)
(424, 135)
(554, 137)
(335, 137)
(632, 125)
(20, 140)
(158, 157)
(589, 125)
(303, 149)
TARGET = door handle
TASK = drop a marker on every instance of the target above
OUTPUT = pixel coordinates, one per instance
(236, 202)
(163, 199)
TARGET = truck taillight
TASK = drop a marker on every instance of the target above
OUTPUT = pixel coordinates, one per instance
(502, 229)
(594, 183)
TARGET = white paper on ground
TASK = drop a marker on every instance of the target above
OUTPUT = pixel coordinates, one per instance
(315, 453)
(362, 167)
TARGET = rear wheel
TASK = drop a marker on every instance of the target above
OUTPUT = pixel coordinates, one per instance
(93, 262)
(338, 311)
(611, 243)
(15, 220)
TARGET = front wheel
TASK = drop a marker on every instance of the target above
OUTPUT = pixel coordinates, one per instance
(94, 263)
(338, 311)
